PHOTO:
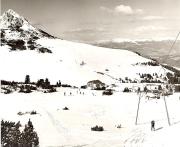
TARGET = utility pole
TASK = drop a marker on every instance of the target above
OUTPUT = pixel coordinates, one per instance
(138, 108)
(167, 110)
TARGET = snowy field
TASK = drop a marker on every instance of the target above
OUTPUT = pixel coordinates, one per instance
(72, 128)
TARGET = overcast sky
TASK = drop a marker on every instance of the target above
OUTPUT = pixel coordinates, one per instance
(95, 20)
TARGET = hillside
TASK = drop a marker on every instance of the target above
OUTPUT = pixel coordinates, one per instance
(28, 50)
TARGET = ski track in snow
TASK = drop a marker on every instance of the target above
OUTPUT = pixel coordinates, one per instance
(136, 137)
(56, 123)
(59, 128)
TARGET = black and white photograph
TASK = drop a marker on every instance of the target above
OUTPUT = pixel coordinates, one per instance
(90, 73)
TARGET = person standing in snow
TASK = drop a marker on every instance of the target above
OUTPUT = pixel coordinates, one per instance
(152, 125)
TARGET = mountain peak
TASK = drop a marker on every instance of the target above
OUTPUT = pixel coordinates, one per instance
(11, 12)
(16, 24)
(12, 19)
(19, 34)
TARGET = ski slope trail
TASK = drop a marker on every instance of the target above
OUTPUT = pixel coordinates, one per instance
(136, 136)
(69, 128)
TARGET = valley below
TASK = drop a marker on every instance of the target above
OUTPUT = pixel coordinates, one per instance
(155, 49)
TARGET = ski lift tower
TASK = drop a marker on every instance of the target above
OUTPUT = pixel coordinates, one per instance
(163, 93)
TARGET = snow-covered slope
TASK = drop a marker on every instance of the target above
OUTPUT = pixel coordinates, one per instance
(56, 127)
(41, 55)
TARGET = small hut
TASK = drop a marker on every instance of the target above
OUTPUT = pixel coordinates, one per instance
(96, 85)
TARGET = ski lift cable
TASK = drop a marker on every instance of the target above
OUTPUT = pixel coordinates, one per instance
(142, 94)
(170, 50)
(172, 46)
(167, 56)
(165, 72)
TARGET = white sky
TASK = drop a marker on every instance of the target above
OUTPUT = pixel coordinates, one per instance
(94, 20)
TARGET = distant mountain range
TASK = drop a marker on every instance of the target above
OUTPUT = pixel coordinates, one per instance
(156, 49)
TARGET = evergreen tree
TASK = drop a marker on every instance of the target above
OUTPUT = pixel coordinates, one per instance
(58, 84)
(27, 79)
(29, 136)
(40, 83)
(11, 136)
(47, 83)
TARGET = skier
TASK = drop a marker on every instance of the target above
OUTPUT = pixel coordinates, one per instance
(152, 125)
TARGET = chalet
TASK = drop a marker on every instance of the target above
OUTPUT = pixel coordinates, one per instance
(96, 85)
